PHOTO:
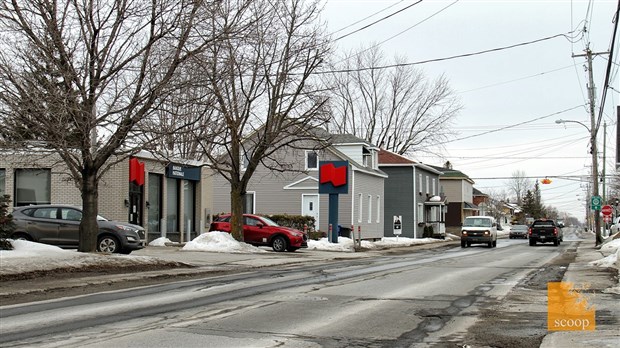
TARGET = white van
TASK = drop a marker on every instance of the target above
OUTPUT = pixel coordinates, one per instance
(479, 230)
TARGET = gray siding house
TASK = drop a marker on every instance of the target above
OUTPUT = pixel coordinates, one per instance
(295, 190)
(412, 191)
(459, 190)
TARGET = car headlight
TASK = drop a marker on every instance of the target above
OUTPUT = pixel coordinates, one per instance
(486, 233)
(125, 228)
(132, 239)
(464, 233)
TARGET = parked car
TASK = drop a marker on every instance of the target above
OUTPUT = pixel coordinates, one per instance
(545, 231)
(479, 230)
(262, 231)
(59, 225)
(615, 226)
(518, 231)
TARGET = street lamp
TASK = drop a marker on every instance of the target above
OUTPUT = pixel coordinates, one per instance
(595, 193)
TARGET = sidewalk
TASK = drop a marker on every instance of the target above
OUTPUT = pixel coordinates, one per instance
(607, 305)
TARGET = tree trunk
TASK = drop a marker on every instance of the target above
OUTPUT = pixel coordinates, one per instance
(236, 220)
(90, 197)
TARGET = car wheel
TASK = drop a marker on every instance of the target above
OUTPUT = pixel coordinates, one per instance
(21, 236)
(532, 242)
(463, 244)
(468, 244)
(494, 243)
(556, 242)
(291, 249)
(490, 244)
(279, 244)
(108, 244)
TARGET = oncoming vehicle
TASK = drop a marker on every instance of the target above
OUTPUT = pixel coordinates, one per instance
(59, 225)
(479, 230)
(518, 231)
(262, 231)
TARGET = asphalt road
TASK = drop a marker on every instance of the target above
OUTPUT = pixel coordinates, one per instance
(434, 297)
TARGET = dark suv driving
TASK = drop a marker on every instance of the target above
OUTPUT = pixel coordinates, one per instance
(59, 225)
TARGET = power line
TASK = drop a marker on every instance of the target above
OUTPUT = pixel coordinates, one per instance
(566, 36)
(510, 126)
(365, 18)
(379, 20)
(400, 33)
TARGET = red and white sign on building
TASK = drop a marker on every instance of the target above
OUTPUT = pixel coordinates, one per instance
(607, 210)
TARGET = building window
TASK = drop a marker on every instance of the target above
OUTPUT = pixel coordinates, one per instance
(427, 186)
(245, 160)
(434, 187)
(189, 202)
(359, 211)
(154, 203)
(378, 209)
(420, 183)
(172, 205)
(2, 182)
(420, 213)
(32, 186)
(312, 160)
(369, 208)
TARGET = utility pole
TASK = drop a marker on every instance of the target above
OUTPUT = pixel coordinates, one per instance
(594, 149)
(603, 172)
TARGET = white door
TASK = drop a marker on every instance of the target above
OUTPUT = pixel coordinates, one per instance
(310, 207)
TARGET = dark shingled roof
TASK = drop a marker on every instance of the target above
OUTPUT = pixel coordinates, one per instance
(387, 157)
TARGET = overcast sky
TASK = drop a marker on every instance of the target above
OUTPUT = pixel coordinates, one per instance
(514, 95)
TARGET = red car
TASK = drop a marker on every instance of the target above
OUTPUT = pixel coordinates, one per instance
(261, 231)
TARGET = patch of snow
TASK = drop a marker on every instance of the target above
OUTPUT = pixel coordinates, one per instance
(222, 242)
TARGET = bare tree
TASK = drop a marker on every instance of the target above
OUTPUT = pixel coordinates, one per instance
(78, 77)
(519, 184)
(258, 93)
(398, 108)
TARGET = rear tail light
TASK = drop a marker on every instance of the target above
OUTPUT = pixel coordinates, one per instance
(529, 231)
(555, 231)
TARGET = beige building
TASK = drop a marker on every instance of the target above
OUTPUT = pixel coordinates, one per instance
(166, 198)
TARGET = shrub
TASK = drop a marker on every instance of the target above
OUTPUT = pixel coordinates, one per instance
(7, 226)
(294, 221)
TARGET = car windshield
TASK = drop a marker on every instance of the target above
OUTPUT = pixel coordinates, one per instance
(477, 222)
(519, 228)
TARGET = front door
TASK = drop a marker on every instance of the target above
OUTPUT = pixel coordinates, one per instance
(135, 204)
(310, 207)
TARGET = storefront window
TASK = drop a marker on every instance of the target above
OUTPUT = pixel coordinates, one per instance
(154, 202)
(188, 205)
(32, 186)
(172, 205)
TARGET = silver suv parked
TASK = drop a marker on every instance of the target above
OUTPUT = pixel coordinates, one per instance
(59, 225)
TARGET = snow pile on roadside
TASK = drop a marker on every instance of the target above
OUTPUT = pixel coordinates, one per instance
(220, 242)
(29, 256)
(611, 260)
(160, 242)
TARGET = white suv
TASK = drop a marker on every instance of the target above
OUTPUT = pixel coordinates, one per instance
(615, 226)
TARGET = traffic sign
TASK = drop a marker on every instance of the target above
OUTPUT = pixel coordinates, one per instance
(606, 210)
(596, 202)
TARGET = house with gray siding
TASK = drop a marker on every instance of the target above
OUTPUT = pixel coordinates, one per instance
(413, 192)
(295, 191)
(459, 190)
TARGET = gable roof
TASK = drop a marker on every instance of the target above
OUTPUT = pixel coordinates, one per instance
(479, 193)
(388, 158)
(453, 174)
